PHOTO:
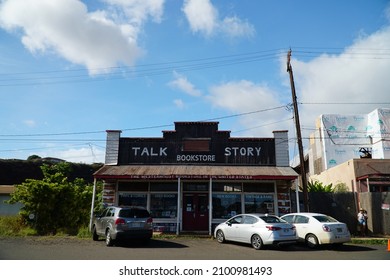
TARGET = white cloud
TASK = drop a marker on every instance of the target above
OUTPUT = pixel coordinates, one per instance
(244, 96)
(98, 40)
(203, 17)
(360, 74)
(29, 123)
(235, 27)
(80, 155)
(138, 11)
(179, 103)
(181, 83)
(357, 75)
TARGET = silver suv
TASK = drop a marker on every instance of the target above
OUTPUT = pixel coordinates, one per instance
(122, 223)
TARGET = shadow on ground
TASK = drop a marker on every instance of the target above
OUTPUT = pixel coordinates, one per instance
(153, 243)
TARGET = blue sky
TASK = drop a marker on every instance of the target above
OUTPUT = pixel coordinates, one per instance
(70, 70)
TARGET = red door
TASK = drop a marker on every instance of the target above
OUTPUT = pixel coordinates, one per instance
(195, 211)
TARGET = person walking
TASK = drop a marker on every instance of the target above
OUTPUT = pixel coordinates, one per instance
(362, 220)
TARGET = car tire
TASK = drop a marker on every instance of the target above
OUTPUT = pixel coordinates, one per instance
(311, 241)
(256, 242)
(109, 240)
(95, 236)
(220, 236)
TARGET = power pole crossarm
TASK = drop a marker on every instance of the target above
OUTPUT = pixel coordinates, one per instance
(299, 136)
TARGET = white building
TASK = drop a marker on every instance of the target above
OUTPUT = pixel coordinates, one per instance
(339, 138)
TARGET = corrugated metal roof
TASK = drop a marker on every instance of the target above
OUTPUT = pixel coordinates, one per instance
(195, 172)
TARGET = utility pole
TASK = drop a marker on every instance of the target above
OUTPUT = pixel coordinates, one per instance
(299, 136)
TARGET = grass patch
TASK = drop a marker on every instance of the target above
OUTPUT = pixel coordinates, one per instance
(14, 226)
(84, 233)
(370, 241)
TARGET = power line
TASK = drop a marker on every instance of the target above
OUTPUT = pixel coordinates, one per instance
(344, 103)
(138, 128)
(51, 77)
(21, 137)
(113, 73)
(237, 131)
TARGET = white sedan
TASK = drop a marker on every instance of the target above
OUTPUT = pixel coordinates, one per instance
(256, 229)
(315, 229)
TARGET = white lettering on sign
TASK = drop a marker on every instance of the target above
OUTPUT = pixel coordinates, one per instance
(242, 151)
(198, 158)
(150, 152)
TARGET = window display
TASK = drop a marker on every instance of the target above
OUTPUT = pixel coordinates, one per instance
(163, 205)
(226, 205)
(132, 199)
(259, 203)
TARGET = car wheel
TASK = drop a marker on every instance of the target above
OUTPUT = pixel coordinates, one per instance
(95, 237)
(109, 240)
(311, 241)
(220, 236)
(256, 242)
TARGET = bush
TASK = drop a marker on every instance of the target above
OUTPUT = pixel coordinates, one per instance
(59, 205)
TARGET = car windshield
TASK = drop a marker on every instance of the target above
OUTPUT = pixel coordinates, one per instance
(325, 219)
(133, 213)
(271, 219)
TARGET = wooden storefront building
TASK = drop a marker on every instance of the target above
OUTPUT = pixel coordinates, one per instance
(196, 176)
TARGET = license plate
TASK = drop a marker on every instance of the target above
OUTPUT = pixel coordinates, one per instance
(133, 225)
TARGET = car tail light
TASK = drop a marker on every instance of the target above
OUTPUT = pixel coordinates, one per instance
(273, 228)
(149, 221)
(120, 221)
(326, 228)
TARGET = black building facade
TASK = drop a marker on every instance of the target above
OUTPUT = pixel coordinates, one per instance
(197, 176)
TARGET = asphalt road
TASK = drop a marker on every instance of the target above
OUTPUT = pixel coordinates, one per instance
(66, 248)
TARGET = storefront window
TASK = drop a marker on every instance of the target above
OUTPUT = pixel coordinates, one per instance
(132, 199)
(226, 205)
(227, 187)
(259, 203)
(163, 205)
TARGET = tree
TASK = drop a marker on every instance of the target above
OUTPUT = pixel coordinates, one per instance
(33, 157)
(317, 186)
(56, 202)
(341, 188)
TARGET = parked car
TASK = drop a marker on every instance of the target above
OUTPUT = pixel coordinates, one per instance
(122, 223)
(315, 229)
(256, 229)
